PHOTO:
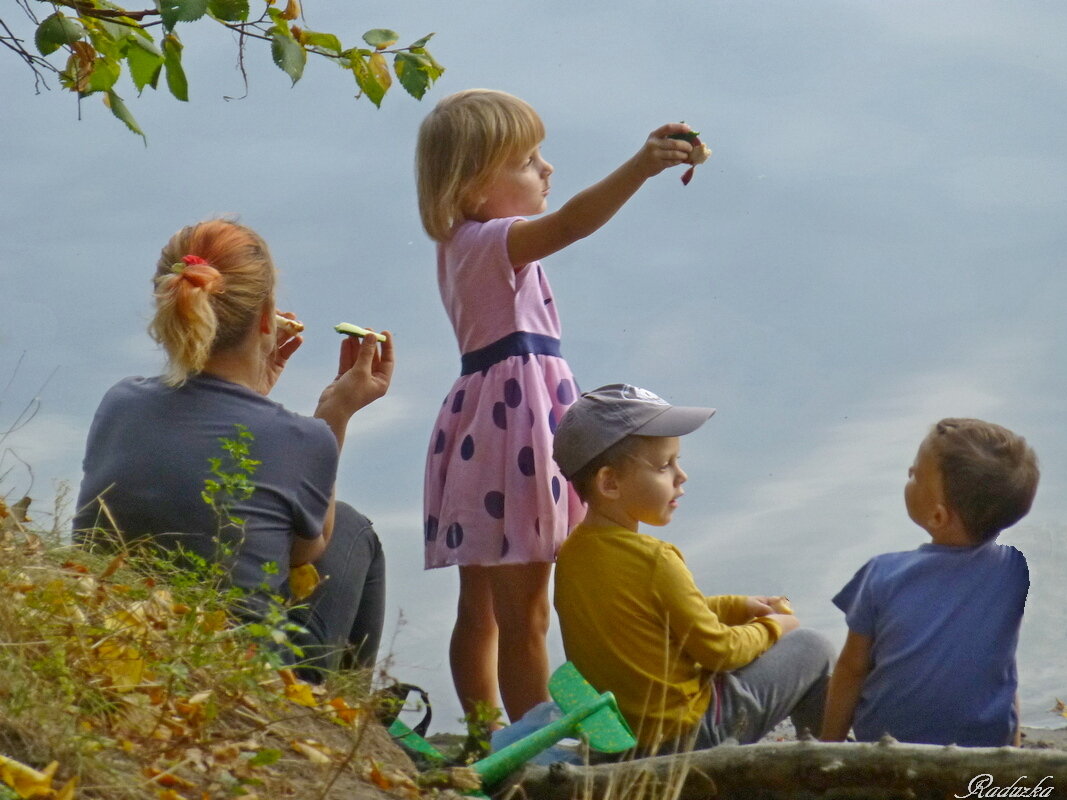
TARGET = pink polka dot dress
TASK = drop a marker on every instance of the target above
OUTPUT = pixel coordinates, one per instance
(492, 494)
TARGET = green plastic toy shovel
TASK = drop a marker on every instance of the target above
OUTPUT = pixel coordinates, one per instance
(593, 716)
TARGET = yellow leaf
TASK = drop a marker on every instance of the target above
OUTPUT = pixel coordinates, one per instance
(292, 9)
(27, 781)
(67, 792)
(121, 663)
(301, 694)
(303, 580)
(213, 621)
(380, 69)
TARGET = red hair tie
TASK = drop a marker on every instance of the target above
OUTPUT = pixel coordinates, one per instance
(190, 260)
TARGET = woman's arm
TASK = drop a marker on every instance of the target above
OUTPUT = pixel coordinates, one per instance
(530, 240)
(846, 683)
(305, 550)
(363, 375)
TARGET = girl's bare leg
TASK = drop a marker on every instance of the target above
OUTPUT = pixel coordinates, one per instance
(521, 605)
(473, 650)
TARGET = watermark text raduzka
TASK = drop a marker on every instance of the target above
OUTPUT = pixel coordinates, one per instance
(982, 786)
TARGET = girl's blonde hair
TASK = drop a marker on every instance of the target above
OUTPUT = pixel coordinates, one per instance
(211, 282)
(463, 143)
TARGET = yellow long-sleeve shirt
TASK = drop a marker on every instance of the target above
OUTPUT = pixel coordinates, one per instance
(635, 623)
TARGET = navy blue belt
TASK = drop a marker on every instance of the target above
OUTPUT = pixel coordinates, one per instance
(519, 343)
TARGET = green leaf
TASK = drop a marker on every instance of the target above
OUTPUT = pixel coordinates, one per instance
(421, 42)
(118, 108)
(288, 55)
(105, 43)
(381, 38)
(409, 69)
(145, 62)
(114, 30)
(229, 10)
(324, 41)
(265, 757)
(172, 62)
(106, 72)
(366, 80)
(56, 31)
(429, 65)
(175, 11)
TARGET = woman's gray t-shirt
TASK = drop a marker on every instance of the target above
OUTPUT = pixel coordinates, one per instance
(148, 456)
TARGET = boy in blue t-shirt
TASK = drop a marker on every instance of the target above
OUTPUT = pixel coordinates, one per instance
(930, 654)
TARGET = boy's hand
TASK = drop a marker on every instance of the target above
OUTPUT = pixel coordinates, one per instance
(660, 152)
(759, 606)
(762, 606)
(789, 622)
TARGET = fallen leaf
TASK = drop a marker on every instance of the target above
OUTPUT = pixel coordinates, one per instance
(114, 566)
(391, 780)
(166, 779)
(311, 750)
(25, 780)
(344, 711)
(301, 694)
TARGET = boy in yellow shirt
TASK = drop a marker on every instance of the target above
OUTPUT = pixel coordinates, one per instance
(687, 670)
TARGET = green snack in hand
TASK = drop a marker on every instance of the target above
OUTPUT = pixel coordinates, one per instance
(689, 136)
(349, 329)
(698, 155)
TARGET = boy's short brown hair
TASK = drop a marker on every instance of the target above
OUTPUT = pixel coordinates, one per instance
(989, 474)
(614, 456)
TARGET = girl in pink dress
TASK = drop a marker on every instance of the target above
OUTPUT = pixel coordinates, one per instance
(495, 501)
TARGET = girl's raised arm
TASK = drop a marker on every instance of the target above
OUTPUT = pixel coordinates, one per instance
(588, 210)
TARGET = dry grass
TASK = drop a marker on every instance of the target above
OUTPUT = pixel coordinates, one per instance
(135, 684)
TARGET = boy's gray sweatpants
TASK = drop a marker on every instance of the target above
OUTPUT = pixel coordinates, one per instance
(788, 680)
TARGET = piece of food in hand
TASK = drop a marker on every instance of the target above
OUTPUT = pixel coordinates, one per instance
(290, 326)
(349, 329)
(698, 155)
(781, 605)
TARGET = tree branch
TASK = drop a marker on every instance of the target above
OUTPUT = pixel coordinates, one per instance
(35, 62)
(829, 771)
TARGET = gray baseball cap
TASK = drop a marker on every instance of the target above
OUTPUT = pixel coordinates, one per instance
(604, 416)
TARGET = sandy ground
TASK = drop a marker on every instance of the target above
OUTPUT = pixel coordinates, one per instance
(1045, 738)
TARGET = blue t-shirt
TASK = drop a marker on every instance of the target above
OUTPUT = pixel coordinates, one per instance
(944, 623)
(148, 454)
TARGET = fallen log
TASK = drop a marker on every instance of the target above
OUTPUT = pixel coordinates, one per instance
(887, 770)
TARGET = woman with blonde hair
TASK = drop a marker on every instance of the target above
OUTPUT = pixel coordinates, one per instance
(152, 441)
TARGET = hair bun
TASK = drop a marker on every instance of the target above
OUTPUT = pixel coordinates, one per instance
(199, 273)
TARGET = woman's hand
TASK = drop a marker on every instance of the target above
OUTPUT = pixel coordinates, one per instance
(660, 152)
(284, 347)
(363, 375)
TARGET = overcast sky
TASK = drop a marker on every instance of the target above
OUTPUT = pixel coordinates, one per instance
(877, 242)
